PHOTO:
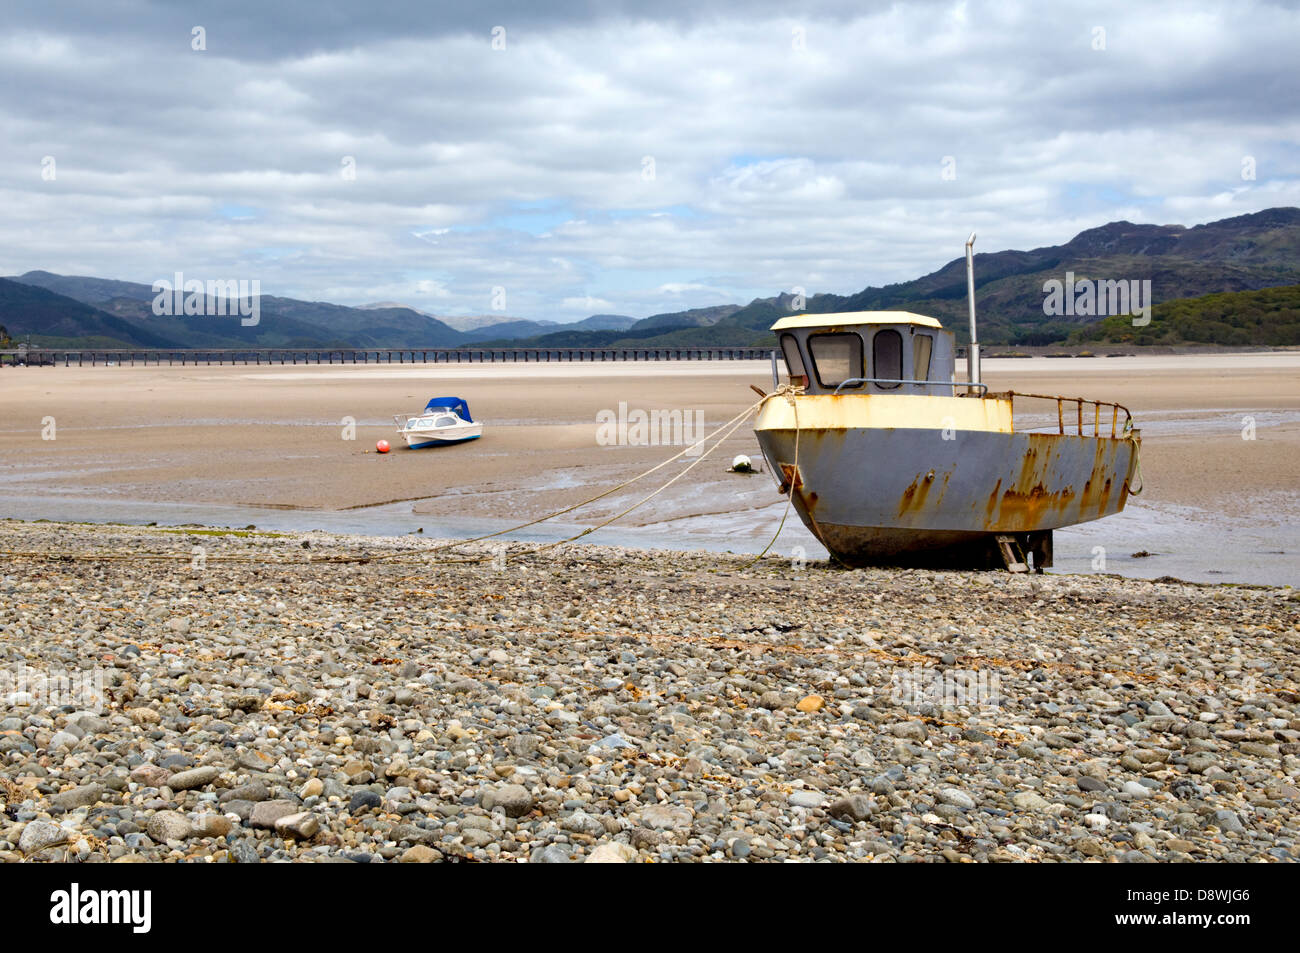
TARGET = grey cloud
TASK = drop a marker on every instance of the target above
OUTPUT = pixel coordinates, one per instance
(774, 166)
(257, 29)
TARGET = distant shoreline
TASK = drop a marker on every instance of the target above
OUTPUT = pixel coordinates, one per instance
(65, 356)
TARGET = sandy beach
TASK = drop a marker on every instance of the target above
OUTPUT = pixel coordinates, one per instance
(250, 697)
(265, 445)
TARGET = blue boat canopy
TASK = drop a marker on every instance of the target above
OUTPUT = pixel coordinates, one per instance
(454, 404)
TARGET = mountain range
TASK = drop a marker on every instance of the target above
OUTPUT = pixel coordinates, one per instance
(1241, 254)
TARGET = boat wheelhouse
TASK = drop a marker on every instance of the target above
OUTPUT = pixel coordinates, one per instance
(883, 352)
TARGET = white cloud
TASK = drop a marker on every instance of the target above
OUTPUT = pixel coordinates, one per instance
(683, 287)
(586, 303)
(431, 289)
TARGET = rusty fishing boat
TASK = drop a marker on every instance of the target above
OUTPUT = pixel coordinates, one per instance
(890, 460)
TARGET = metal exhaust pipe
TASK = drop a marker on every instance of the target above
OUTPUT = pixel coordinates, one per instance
(973, 352)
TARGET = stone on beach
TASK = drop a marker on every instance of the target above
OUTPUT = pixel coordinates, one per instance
(664, 817)
(150, 775)
(194, 778)
(168, 826)
(419, 854)
(611, 853)
(81, 796)
(1030, 801)
(265, 814)
(38, 835)
(302, 825)
(856, 807)
(957, 798)
(807, 799)
(212, 825)
(514, 799)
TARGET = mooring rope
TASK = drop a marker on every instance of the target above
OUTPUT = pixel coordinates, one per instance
(1137, 468)
(786, 391)
(736, 421)
(646, 499)
(723, 432)
(1137, 456)
(789, 393)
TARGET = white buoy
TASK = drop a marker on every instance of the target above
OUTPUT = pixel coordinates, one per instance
(742, 464)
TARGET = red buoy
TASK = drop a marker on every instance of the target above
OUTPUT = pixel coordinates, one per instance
(382, 446)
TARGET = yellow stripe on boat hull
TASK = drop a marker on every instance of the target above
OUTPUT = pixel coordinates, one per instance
(884, 411)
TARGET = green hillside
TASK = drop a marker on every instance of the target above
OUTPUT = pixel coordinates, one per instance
(1248, 252)
(47, 317)
(1269, 317)
(75, 311)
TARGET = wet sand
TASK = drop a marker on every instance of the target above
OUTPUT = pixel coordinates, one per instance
(165, 443)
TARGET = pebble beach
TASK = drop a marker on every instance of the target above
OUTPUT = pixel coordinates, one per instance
(180, 694)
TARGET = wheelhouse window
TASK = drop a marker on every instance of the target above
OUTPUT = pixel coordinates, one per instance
(793, 361)
(887, 357)
(922, 345)
(836, 357)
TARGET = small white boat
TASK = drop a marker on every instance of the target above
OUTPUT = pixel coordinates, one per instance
(443, 420)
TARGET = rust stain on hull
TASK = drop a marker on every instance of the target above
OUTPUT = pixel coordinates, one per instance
(791, 477)
(1031, 501)
(918, 490)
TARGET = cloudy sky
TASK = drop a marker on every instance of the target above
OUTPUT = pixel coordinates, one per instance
(621, 157)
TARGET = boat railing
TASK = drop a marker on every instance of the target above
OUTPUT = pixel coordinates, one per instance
(1076, 416)
(895, 381)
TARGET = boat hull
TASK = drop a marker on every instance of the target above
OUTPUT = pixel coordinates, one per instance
(935, 496)
(419, 439)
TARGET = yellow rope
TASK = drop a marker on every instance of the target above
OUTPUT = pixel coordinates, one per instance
(1137, 467)
(643, 500)
(736, 421)
(789, 393)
